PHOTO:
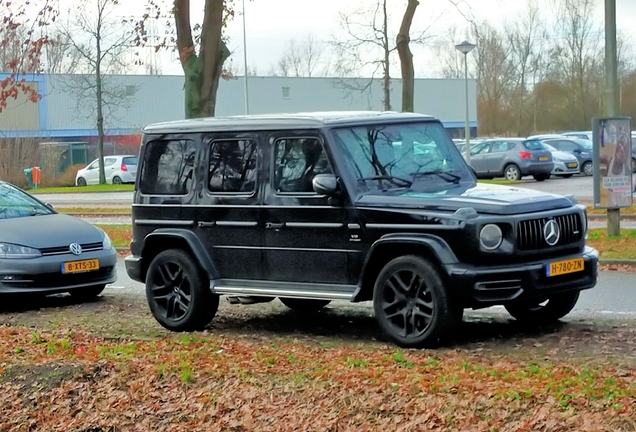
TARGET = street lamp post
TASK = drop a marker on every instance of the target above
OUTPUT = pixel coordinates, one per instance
(247, 100)
(464, 48)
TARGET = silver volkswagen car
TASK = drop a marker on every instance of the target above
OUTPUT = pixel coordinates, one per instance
(45, 252)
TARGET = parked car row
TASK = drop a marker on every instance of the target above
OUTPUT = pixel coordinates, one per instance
(540, 156)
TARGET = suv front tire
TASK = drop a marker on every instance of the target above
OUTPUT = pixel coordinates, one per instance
(411, 303)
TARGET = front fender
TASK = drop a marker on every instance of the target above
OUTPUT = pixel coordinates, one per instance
(437, 246)
(162, 236)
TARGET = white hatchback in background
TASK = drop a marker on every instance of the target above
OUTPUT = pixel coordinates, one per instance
(565, 164)
(118, 169)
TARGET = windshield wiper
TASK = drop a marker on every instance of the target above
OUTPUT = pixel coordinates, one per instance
(398, 181)
(444, 175)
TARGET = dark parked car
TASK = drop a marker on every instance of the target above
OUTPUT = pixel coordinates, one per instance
(44, 252)
(511, 158)
(311, 208)
(580, 148)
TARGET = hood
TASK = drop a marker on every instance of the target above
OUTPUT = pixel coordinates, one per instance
(48, 231)
(484, 198)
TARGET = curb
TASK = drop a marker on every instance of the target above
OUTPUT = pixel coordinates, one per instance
(624, 262)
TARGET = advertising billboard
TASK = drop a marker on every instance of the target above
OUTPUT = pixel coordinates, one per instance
(612, 162)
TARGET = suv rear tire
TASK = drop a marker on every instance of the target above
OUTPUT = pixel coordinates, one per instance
(535, 311)
(178, 292)
(305, 305)
(411, 304)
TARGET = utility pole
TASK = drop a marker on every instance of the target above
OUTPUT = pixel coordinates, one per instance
(611, 95)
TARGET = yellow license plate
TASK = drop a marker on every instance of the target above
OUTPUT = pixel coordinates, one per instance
(80, 266)
(543, 158)
(564, 267)
(572, 164)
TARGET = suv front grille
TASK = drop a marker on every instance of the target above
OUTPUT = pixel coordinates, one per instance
(530, 232)
(61, 250)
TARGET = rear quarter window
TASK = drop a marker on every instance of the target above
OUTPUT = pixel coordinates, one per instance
(168, 167)
(534, 145)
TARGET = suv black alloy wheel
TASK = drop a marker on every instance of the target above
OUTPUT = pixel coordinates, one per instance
(411, 304)
(178, 292)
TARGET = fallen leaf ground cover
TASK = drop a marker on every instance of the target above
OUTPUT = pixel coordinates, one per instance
(106, 365)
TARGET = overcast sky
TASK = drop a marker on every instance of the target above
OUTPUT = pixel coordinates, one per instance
(270, 24)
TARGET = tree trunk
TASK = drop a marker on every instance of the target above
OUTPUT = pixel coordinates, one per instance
(98, 91)
(406, 57)
(387, 64)
(202, 71)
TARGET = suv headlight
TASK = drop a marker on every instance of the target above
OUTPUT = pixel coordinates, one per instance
(13, 251)
(490, 237)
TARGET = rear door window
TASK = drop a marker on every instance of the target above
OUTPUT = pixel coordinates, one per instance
(168, 167)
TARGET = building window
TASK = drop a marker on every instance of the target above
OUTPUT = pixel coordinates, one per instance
(285, 92)
(130, 90)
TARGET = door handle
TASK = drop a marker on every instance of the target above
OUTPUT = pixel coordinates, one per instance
(271, 225)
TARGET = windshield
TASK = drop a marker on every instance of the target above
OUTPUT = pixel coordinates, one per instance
(586, 144)
(378, 155)
(14, 204)
(549, 147)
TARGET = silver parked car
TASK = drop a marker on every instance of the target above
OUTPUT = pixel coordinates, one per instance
(44, 252)
(511, 158)
(565, 164)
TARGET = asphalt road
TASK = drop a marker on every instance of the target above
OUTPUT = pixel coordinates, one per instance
(614, 296)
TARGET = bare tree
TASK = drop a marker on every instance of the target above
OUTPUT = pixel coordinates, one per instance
(23, 22)
(302, 59)
(61, 56)
(102, 41)
(406, 57)
(522, 38)
(367, 45)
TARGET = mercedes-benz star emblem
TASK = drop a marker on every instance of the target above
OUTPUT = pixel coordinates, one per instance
(551, 232)
(75, 248)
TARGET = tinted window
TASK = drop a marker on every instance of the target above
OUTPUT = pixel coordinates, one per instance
(586, 144)
(533, 145)
(14, 203)
(232, 166)
(297, 162)
(130, 160)
(479, 148)
(567, 146)
(499, 147)
(168, 167)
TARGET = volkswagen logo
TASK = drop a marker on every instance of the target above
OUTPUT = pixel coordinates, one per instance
(75, 248)
(551, 232)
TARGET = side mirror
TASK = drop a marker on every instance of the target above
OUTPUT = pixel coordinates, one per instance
(325, 184)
